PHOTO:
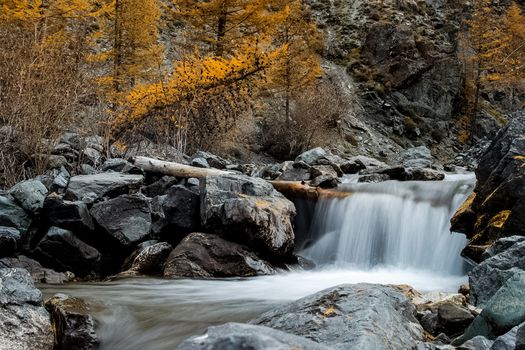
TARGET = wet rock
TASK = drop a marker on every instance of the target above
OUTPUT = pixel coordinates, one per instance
(11, 215)
(29, 194)
(358, 163)
(323, 170)
(24, 322)
(151, 259)
(75, 327)
(89, 188)
(417, 157)
(507, 341)
(38, 273)
(9, 238)
(249, 211)
(126, 219)
(449, 318)
(325, 181)
(424, 174)
(202, 255)
(66, 214)
(477, 343)
(63, 251)
(360, 316)
(140, 247)
(502, 245)
(505, 310)
(520, 338)
(244, 336)
(179, 213)
(486, 278)
(373, 178)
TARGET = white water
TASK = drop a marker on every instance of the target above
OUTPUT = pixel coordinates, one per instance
(389, 233)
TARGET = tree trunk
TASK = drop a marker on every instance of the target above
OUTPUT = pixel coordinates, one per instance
(117, 47)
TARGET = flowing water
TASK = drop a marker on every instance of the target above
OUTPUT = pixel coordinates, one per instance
(389, 233)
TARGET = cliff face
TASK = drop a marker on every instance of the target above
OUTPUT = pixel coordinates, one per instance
(401, 56)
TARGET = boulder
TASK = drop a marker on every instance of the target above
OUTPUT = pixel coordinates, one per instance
(151, 259)
(159, 187)
(505, 310)
(140, 247)
(204, 255)
(423, 174)
(245, 336)
(9, 238)
(91, 156)
(502, 245)
(24, 322)
(358, 163)
(38, 273)
(360, 316)
(211, 159)
(325, 181)
(11, 215)
(60, 180)
(497, 209)
(89, 188)
(67, 214)
(29, 194)
(520, 338)
(126, 219)
(486, 278)
(199, 162)
(507, 341)
(477, 343)
(311, 157)
(63, 251)
(74, 326)
(249, 211)
(417, 157)
(373, 178)
(119, 165)
(179, 213)
(295, 171)
(449, 318)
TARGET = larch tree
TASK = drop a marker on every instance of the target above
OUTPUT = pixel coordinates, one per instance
(512, 67)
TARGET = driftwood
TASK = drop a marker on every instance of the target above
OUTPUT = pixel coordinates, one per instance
(291, 189)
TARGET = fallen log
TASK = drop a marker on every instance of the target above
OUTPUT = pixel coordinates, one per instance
(291, 189)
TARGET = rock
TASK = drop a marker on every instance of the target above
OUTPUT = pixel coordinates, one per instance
(423, 174)
(72, 139)
(477, 343)
(140, 247)
(486, 278)
(91, 156)
(497, 209)
(312, 156)
(202, 255)
(24, 323)
(199, 162)
(60, 180)
(373, 178)
(56, 161)
(360, 316)
(180, 213)
(86, 169)
(211, 159)
(245, 336)
(417, 157)
(325, 181)
(9, 238)
(295, 171)
(505, 310)
(193, 182)
(507, 341)
(151, 259)
(356, 164)
(11, 215)
(67, 215)
(323, 170)
(501, 245)
(249, 211)
(520, 338)
(89, 188)
(75, 328)
(63, 251)
(464, 289)
(450, 319)
(159, 187)
(38, 273)
(120, 165)
(126, 219)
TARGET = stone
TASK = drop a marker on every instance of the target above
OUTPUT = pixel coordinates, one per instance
(501, 245)
(373, 178)
(248, 211)
(9, 238)
(140, 247)
(505, 310)
(67, 214)
(64, 251)
(417, 157)
(126, 219)
(323, 170)
(358, 163)
(24, 322)
(116, 164)
(159, 187)
(89, 188)
(310, 157)
(86, 169)
(60, 180)
(202, 255)
(74, 326)
(180, 213)
(91, 156)
(520, 338)
(11, 215)
(359, 316)
(199, 163)
(245, 336)
(450, 319)
(29, 194)
(151, 259)
(486, 278)
(38, 273)
(423, 174)
(477, 343)
(325, 181)
(211, 159)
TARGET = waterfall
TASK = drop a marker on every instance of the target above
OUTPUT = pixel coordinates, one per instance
(403, 225)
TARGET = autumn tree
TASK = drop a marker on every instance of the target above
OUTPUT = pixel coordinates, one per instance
(512, 67)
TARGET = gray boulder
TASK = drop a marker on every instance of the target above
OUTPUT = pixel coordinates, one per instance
(206, 255)
(360, 316)
(64, 251)
(119, 165)
(501, 245)
(477, 343)
(505, 310)
(11, 215)
(159, 187)
(67, 214)
(249, 211)
(9, 238)
(423, 174)
(417, 157)
(199, 162)
(449, 318)
(311, 157)
(24, 322)
(232, 336)
(151, 259)
(74, 326)
(38, 273)
(30, 194)
(358, 163)
(126, 219)
(211, 159)
(89, 188)
(486, 278)
(520, 338)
